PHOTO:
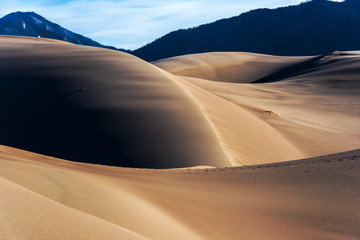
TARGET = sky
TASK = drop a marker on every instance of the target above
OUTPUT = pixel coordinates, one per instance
(130, 24)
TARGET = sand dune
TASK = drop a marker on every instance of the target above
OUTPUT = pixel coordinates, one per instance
(306, 199)
(101, 106)
(246, 138)
(197, 115)
(310, 112)
(237, 67)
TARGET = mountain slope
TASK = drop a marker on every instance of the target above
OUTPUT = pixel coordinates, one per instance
(311, 28)
(33, 25)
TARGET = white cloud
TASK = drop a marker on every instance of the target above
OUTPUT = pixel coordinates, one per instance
(133, 23)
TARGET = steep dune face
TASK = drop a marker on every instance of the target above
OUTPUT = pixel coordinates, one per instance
(246, 138)
(309, 199)
(100, 106)
(309, 108)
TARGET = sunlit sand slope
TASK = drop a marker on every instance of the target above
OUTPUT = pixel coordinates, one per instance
(28, 215)
(48, 198)
(306, 109)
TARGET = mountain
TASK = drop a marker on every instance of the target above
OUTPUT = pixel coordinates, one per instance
(33, 25)
(311, 28)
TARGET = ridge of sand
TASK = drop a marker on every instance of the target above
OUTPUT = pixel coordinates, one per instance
(238, 67)
(314, 123)
(247, 139)
(313, 198)
(21, 39)
(203, 109)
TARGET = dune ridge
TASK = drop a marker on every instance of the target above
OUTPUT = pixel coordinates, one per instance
(247, 139)
(237, 67)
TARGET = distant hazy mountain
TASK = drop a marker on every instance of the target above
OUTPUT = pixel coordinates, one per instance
(313, 27)
(33, 25)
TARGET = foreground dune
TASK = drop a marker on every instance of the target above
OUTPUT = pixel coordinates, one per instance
(50, 198)
(28, 215)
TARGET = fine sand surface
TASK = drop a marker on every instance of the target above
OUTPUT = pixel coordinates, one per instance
(312, 111)
(206, 143)
(47, 198)
(101, 106)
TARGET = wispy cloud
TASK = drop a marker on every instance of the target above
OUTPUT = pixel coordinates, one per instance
(133, 23)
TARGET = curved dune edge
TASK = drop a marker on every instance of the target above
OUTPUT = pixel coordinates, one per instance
(310, 199)
(246, 139)
(315, 124)
(236, 67)
(229, 160)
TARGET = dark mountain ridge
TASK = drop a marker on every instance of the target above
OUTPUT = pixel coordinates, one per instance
(310, 28)
(33, 25)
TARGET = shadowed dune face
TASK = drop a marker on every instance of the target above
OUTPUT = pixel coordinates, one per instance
(99, 106)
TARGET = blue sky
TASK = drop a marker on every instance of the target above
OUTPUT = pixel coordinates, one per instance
(133, 23)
